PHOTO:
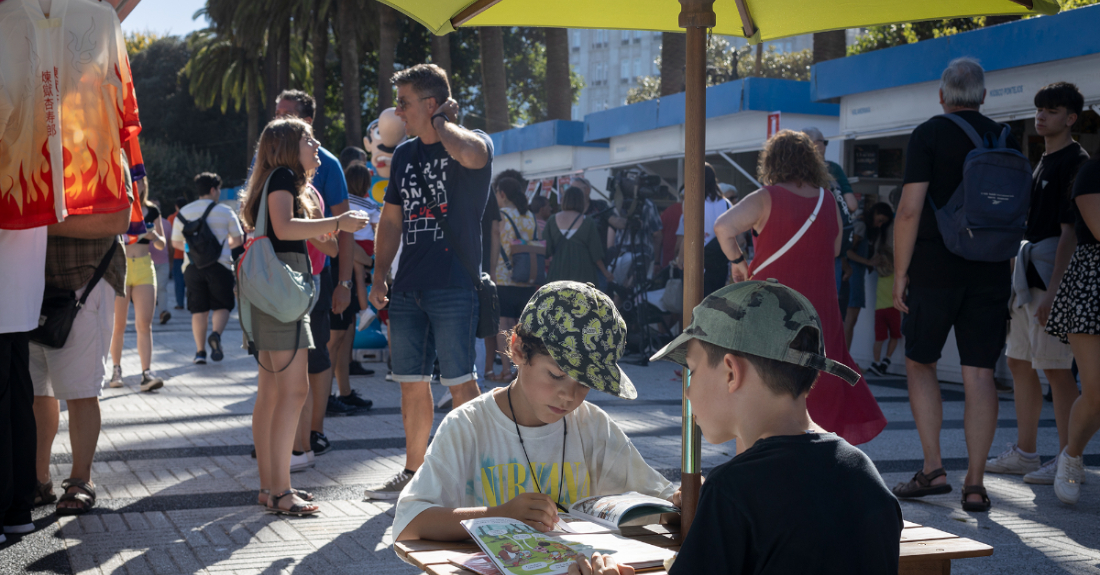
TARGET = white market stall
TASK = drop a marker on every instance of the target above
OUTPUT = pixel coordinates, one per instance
(546, 151)
(885, 94)
(740, 116)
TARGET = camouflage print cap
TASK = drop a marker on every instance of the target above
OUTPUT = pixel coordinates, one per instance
(761, 318)
(583, 332)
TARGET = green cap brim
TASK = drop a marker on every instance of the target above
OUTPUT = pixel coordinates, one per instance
(675, 351)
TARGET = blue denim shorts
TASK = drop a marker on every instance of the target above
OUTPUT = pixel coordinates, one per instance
(419, 319)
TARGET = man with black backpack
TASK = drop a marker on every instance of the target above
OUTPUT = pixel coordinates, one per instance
(207, 231)
(957, 271)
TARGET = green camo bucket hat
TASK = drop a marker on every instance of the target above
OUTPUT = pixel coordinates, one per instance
(583, 332)
(761, 318)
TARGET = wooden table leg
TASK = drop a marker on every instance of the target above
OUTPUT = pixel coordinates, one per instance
(929, 567)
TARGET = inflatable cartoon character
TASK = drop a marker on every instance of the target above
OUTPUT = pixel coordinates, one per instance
(382, 138)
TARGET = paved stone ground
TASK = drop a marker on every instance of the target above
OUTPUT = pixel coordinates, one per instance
(177, 486)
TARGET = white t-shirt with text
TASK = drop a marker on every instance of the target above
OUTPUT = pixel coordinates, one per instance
(476, 460)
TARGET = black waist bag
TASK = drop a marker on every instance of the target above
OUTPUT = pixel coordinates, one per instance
(60, 306)
(488, 319)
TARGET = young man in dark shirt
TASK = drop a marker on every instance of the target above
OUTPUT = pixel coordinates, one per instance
(796, 499)
(1041, 262)
(946, 291)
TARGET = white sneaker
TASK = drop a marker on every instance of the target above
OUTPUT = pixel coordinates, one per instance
(1044, 475)
(19, 529)
(116, 377)
(300, 462)
(1067, 482)
(1012, 461)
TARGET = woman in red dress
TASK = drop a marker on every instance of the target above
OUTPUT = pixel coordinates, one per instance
(794, 202)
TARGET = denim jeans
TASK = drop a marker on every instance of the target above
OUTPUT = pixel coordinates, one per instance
(177, 277)
(435, 323)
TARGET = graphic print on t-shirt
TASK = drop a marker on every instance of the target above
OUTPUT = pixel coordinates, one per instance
(420, 192)
(502, 483)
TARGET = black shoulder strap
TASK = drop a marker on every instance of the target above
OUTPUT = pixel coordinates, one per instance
(514, 228)
(99, 271)
(209, 209)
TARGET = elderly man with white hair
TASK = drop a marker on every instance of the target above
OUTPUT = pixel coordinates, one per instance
(938, 290)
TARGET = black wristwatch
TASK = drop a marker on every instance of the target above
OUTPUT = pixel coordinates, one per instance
(738, 260)
(440, 115)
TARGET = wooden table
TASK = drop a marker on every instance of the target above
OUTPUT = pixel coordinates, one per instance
(924, 550)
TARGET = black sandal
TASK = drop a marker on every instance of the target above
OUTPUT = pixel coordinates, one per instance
(921, 485)
(981, 507)
(86, 499)
(303, 495)
(43, 493)
(296, 510)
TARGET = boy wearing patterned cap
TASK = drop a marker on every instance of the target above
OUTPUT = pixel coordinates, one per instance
(535, 447)
(795, 499)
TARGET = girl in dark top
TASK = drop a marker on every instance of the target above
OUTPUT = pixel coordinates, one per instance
(573, 243)
(1075, 318)
(288, 154)
(141, 288)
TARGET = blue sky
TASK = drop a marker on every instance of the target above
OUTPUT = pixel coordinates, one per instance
(165, 17)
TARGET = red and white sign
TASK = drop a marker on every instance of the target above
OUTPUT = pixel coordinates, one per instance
(773, 124)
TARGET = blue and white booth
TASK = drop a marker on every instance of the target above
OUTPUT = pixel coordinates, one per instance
(740, 115)
(885, 94)
(546, 151)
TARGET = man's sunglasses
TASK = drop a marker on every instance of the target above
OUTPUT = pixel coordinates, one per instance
(403, 105)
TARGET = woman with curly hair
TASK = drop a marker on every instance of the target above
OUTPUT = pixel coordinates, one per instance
(798, 236)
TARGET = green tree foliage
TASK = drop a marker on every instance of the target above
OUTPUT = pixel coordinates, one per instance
(177, 135)
(138, 41)
(725, 64)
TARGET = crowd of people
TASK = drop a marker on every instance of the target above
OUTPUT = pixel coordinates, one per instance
(453, 254)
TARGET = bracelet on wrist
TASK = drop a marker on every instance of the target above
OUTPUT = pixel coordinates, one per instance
(740, 259)
(440, 115)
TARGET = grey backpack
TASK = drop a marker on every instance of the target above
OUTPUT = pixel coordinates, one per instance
(986, 217)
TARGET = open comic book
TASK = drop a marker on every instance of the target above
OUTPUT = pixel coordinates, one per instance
(602, 513)
(515, 548)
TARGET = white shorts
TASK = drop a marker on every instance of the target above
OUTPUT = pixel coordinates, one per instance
(1027, 340)
(78, 370)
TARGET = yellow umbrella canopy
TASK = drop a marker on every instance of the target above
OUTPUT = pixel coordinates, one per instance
(757, 20)
(765, 19)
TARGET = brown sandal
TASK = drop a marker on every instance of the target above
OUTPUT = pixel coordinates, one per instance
(921, 485)
(43, 493)
(296, 510)
(981, 507)
(86, 499)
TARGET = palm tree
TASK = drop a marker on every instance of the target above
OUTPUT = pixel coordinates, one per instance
(559, 91)
(673, 58)
(441, 52)
(319, 41)
(829, 45)
(387, 50)
(221, 70)
(349, 72)
(492, 79)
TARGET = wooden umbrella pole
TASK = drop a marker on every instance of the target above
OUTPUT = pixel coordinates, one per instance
(695, 16)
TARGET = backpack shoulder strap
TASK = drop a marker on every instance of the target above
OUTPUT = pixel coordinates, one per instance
(519, 235)
(966, 127)
(209, 209)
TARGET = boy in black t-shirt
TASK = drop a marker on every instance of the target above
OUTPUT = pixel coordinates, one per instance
(1040, 265)
(796, 499)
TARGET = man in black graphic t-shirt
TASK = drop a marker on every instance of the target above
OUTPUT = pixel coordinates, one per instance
(433, 305)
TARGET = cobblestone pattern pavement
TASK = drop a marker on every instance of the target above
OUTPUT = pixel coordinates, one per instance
(177, 488)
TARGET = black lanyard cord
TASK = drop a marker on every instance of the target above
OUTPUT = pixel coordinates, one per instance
(534, 476)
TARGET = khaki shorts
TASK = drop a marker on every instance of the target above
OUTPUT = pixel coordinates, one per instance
(1028, 341)
(77, 371)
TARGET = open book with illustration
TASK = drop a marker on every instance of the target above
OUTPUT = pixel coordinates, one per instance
(516, 548)
(602, 513)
